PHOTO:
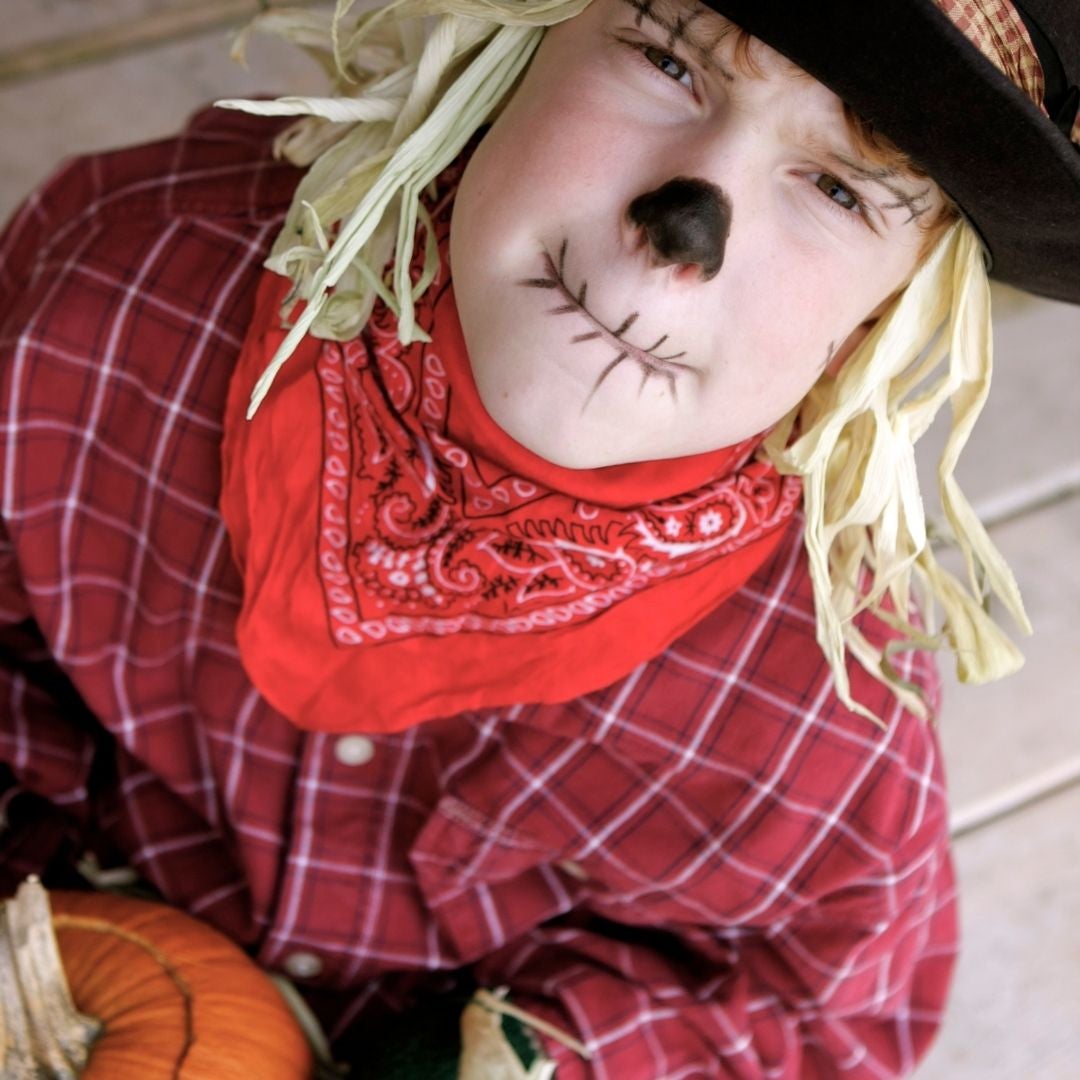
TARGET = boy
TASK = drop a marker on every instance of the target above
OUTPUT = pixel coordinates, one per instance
(538, 562)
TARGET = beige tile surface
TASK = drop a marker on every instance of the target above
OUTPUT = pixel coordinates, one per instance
(996, 735)
(29, 22)
(1029, 428)
(133, 99)
(1026, 444)
(1015, 1007)
(33, 22)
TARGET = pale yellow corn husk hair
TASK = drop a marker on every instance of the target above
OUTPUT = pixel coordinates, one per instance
(414, 80)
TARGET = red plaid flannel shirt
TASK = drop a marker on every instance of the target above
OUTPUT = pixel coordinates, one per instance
(710, 868)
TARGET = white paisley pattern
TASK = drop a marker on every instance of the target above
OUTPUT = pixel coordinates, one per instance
(418, 535)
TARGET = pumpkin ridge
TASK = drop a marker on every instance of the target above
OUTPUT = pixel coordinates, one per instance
(103, 926)
(131, 962)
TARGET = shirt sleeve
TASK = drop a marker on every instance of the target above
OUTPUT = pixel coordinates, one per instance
(853, 986)
(44, 755)
(47, 745)
(46, 740)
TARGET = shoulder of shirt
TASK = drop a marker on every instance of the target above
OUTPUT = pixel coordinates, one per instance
(221, 165)
(219, 172)
(902, 787)
(749, 690)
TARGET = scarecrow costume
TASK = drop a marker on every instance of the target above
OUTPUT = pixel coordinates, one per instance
(405, 709)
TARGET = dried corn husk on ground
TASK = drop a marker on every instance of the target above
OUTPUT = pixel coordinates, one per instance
(486, 1054)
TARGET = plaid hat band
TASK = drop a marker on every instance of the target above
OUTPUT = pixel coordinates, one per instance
(997, 30)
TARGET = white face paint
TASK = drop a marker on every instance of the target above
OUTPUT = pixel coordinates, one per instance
(612, 109)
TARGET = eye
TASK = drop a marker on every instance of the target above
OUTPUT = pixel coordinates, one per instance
(658, 60)
(670, 65)
(839, 194)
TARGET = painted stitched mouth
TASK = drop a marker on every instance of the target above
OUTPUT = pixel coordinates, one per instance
(650, 364)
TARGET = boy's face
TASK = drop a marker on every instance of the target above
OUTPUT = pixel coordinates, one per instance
(655, 254)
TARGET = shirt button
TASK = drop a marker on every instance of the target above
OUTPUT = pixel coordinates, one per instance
(354, 750)
(575, 870)
(303, 965)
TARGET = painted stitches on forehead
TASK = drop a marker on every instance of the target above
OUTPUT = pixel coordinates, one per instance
(692, 25)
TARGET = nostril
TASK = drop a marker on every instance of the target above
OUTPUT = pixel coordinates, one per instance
(690, 272)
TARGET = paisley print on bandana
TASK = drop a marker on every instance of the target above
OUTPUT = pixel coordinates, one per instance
(405, 559)
(419, 538)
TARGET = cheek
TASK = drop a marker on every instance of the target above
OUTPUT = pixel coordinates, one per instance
(784, 312)
(781, 315)
(562, 139)
(827, 294)
(513, 179)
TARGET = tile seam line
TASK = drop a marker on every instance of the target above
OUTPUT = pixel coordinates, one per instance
(1059, 487)
(39, 60)
(1055, 487)
(1015, 797)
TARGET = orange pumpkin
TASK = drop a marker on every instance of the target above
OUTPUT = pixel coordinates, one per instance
(176, 998)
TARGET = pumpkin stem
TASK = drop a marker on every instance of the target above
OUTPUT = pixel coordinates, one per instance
(42, 1035)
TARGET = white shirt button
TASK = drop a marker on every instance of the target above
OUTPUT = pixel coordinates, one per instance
(354, 750)
(575, 870)
(303, 965)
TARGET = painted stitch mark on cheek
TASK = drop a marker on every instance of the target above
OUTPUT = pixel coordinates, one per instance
(574, 302)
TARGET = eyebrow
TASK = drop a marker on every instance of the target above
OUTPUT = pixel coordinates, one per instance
(677, 20)
(916, 203)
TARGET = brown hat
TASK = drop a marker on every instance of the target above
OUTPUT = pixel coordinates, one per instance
(909, 69)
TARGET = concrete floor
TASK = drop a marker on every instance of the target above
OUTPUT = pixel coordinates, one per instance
(1013, 749)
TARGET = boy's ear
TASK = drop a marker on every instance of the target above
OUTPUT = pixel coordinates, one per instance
(857, 337)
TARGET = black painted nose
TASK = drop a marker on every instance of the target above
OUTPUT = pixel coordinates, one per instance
(687, 222)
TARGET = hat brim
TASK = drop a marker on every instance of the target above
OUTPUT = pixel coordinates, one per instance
(903, 66)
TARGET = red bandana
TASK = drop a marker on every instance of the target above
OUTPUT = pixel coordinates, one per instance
(404, 558)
